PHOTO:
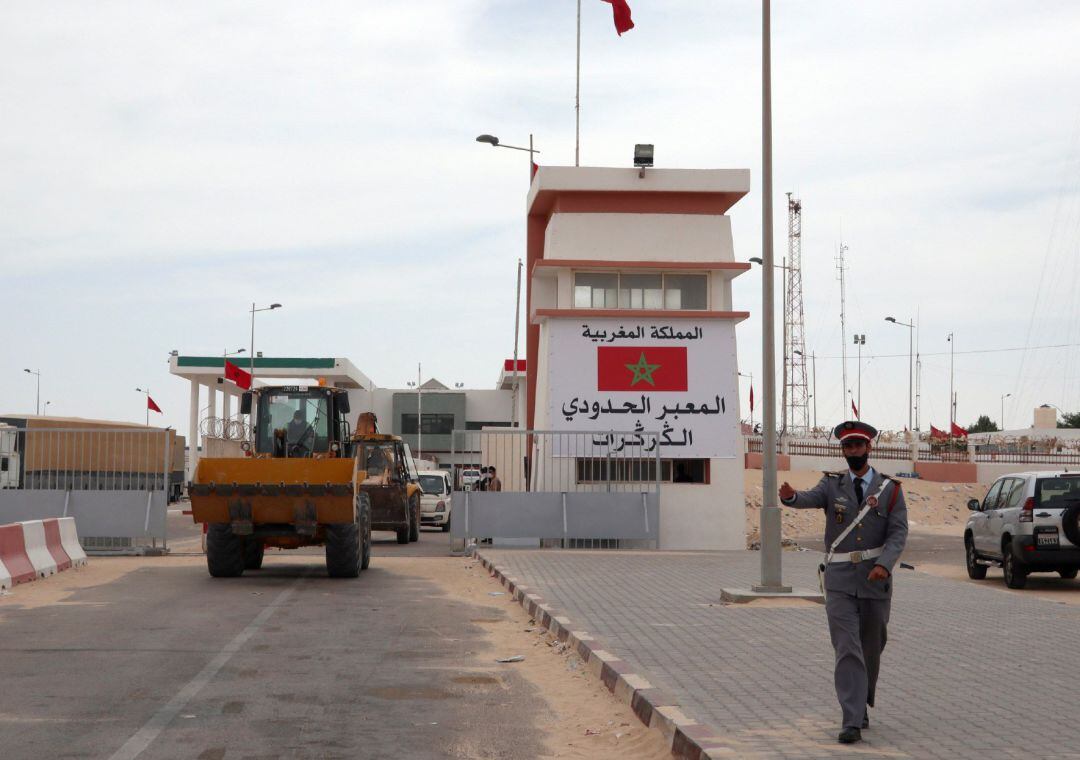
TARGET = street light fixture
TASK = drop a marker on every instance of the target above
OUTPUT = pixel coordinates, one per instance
(37, 402)
(493, 141)
(419, 413)
(911, 353)
(147, 394)
(271, 307)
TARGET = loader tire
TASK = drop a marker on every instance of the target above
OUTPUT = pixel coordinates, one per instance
(253, 554)
(224, 551)
(364, 516)
(414, 521)
(343, 550)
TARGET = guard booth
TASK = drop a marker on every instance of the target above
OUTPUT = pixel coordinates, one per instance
(631, 327)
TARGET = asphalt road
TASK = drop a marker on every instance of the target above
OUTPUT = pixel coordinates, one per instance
(166, 662)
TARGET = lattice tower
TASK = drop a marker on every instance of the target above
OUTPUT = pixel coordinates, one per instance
(796, 388)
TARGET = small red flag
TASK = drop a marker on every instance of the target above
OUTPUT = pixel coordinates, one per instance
(151, 405)
(621, 11)
(641, 368)
(855, 409)
(237, 375)
(936, 434)
(958, 431)
(534, 170)
(751, 399)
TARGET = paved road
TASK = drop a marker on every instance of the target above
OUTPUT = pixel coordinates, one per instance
(971, 670)
(166, 662)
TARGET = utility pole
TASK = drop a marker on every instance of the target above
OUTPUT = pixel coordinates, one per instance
(952, 397)
(860, 341)
(840, 265)
(813, 364)
(785, 363)
(419, 416)
(517, 321)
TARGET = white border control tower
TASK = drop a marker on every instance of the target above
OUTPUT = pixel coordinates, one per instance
(632, 326)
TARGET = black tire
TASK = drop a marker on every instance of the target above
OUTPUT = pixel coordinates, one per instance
(975, 571)
(414, 520)
(253, 553)
(1015, 573)
(446, 526)
(1067, 573)
(364, 513)
(343, 550)
(224, 551)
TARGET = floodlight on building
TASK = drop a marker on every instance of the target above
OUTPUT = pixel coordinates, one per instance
(643, 155)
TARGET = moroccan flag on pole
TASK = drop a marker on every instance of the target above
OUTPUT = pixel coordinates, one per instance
(751, 399)
(855, 410)
(623, 22)
(237, 375)
(151, 405)
(938, 435)
(958, 431)
(641, 368)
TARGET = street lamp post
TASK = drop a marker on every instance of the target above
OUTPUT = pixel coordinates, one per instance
(251, 356)
(1003, 397)
(493, 141)
(911, 353)
(860, 341)
(419, 413)
(37, 401)
(146, 392)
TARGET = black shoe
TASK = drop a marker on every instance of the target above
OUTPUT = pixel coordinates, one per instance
(850, 736)
(865, 722)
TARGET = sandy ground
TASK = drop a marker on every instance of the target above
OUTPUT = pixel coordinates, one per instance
(583, 719)
(937, 507)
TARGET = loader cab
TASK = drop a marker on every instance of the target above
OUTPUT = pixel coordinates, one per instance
(298, 421)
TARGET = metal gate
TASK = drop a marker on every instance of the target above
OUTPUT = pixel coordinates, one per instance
(571, 489)
(114, 483)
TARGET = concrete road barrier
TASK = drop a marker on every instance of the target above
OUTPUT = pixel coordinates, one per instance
(17, 565)
(36, 548)
(55, 544)
(69, 539)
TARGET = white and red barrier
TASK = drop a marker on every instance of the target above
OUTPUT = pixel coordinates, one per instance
(37, 549)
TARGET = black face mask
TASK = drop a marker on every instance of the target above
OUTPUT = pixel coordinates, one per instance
(857, 463)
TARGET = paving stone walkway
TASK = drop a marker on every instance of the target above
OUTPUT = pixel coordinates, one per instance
(970, 671)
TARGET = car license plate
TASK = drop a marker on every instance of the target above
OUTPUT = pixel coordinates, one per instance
(1047, 539)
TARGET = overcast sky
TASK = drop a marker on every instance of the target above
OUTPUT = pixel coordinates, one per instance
(165, 164)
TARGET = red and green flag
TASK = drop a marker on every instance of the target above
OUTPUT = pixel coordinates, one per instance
(641, 368)
(237, 375)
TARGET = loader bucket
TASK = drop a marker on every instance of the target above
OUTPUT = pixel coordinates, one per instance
(263, 491)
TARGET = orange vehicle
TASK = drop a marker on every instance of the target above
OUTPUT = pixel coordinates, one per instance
(305, 480)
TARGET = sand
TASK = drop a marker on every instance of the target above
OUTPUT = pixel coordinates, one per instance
(933, 507)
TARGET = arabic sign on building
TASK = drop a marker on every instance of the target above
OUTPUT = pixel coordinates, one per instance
(672, 377)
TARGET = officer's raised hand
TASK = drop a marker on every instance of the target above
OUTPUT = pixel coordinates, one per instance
(878, 574)
(786, 491)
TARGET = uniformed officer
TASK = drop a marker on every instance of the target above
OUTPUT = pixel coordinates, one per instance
(858, 576)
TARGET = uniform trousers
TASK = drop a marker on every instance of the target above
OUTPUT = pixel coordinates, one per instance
(858, 630)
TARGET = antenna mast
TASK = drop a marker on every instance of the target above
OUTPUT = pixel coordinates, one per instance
(840, 265)
(797, 399)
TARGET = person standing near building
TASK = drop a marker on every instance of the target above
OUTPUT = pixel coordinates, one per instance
(865, 533)
(494, 484)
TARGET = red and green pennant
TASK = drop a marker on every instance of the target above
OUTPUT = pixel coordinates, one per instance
(641, 368)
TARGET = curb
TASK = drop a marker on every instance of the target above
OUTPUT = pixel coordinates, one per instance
(686, 737)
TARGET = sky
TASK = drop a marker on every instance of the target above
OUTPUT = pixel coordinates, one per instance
(166, 165)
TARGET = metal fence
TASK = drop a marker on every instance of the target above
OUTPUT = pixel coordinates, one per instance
(114, 482)
(568, 489)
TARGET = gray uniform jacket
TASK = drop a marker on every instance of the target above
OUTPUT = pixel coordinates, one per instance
(882, 526)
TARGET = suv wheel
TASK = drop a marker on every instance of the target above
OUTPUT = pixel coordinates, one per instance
(1068, 573)
(975, 571)
(1015, 574)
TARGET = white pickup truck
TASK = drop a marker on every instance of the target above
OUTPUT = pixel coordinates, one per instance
(9, 457)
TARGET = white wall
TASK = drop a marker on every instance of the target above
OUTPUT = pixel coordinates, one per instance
(696, 516)
(639, 237)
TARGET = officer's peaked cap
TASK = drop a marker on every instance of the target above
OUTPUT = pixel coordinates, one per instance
(854, 429)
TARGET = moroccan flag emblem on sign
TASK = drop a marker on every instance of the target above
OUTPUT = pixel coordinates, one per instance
(641, 368)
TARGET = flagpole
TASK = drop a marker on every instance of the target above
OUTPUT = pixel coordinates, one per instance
(577, 95)
(148, 407)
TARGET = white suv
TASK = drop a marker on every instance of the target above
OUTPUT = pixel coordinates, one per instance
(1029, 522)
